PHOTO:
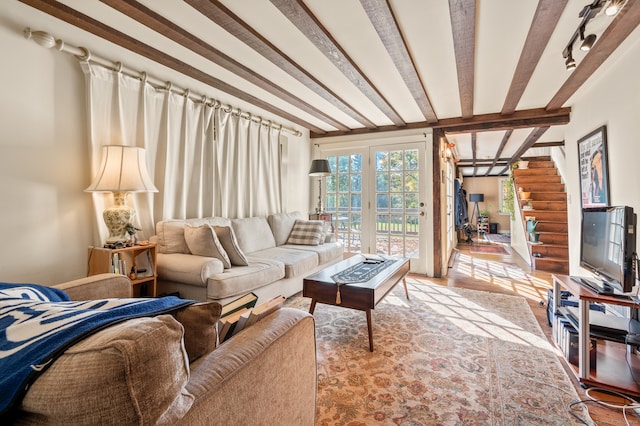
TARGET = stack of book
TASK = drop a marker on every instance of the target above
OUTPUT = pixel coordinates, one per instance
(243, 312)
(566, 337)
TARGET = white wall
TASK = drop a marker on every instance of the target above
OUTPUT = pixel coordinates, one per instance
(45, 217)
(614, 102)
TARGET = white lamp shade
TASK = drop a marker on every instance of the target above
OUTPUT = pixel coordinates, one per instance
(122, 169)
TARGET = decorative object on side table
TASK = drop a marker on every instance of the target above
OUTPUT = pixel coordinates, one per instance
(320, 168)
(123, 169)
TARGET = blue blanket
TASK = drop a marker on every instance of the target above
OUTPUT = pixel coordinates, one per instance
(38, 323)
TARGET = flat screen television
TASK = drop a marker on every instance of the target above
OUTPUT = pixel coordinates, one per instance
(608, 247)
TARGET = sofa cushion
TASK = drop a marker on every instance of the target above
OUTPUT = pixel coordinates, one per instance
(296, 262)
(326, 252)
(203, 241)
(170, 233)
(306, 232)
(134, 372)
(187, 268)
(281, 225)
(228, 239)
(253, 234)
(240, 280)
(200, 332)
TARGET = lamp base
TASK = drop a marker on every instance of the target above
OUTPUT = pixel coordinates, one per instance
(117, 217)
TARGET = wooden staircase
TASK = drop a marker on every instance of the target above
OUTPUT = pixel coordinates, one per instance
(548, 200)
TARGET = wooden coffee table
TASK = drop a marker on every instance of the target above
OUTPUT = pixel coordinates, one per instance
(363, 296)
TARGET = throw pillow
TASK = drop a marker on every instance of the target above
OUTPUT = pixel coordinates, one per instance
(199, 321)
(306, 232)
(203, 241)
(230, 243)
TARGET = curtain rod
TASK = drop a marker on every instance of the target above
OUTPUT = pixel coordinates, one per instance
(48, 41)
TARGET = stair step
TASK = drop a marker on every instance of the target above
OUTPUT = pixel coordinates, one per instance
(546, 226)
(545, 215)
(558, 238)
(541, 165)
(522, 180)
(535, 171)
(547, 196)
(535, 187)
(558, 251)
(556, 206)
(551, 264)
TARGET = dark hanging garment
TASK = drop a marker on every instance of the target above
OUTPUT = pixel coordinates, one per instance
(461, 208)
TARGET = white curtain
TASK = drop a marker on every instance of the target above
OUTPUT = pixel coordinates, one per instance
(204, 160)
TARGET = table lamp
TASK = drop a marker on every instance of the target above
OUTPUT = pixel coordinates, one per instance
(320, 168)
(123, 169)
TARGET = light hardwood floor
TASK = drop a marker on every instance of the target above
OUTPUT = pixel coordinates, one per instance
(533, 286)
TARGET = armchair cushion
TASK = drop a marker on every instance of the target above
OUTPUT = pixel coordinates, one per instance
(118, 373)
(203, 241)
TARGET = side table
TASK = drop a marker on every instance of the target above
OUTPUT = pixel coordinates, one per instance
(137, 262)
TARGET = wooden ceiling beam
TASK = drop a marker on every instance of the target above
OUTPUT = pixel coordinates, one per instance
(163, 26)
(386, 25)
(528, 143)
(463, 27)
(220, 15)
(503, 143)
(84, 22)
(542, 26)
(491, 122)
(307, 23)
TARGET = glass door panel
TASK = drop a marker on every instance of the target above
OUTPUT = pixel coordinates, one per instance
(345, 199)
(397, 201)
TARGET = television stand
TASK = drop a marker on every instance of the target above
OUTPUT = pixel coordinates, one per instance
(615, 369)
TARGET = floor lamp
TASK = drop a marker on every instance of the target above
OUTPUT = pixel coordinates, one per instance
(320, 168)
(476, 198)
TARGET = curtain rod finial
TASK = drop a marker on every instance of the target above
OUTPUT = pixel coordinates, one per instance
(40, 37)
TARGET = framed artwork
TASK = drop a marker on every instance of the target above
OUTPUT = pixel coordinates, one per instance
(594, 169)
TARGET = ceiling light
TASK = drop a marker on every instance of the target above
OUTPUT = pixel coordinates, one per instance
(570, 63)
(587, 43)
(613, 7)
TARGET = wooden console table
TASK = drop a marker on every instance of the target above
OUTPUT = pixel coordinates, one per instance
(617, 366)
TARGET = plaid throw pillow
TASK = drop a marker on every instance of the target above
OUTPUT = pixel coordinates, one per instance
(306, 232)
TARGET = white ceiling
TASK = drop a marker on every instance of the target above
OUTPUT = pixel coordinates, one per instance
(497, 46)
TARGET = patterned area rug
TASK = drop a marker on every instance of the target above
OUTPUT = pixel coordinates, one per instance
(488, 249)
(498, 238)
(448, 356)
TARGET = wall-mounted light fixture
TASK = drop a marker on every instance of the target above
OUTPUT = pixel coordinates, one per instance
(448, 151)
(588, 12)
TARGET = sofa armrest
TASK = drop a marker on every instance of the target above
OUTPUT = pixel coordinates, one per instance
(188, 268)
(101, 286)
(267, 368)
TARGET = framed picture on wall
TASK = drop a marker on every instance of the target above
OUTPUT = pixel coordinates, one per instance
(594, 169)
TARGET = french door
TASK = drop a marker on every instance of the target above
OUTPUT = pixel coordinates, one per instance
(375, 196)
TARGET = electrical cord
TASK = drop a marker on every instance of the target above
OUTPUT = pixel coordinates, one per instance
(633, 404)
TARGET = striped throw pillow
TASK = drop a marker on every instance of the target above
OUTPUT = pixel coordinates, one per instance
(306, 232)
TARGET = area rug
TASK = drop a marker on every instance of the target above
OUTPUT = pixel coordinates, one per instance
(488, 249)
(448, 356)
(498, 238)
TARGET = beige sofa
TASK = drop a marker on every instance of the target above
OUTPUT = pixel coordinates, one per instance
(161, 370)
(274, 266)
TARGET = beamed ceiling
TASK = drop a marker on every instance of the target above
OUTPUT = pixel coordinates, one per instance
(490, 74)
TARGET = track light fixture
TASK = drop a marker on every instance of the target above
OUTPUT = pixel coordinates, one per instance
(587, 43)
(613, 6)
(570, 63)
(587, 13)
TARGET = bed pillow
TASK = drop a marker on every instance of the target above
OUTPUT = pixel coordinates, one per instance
(230, 243)
(203, 241)
(306, 232)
